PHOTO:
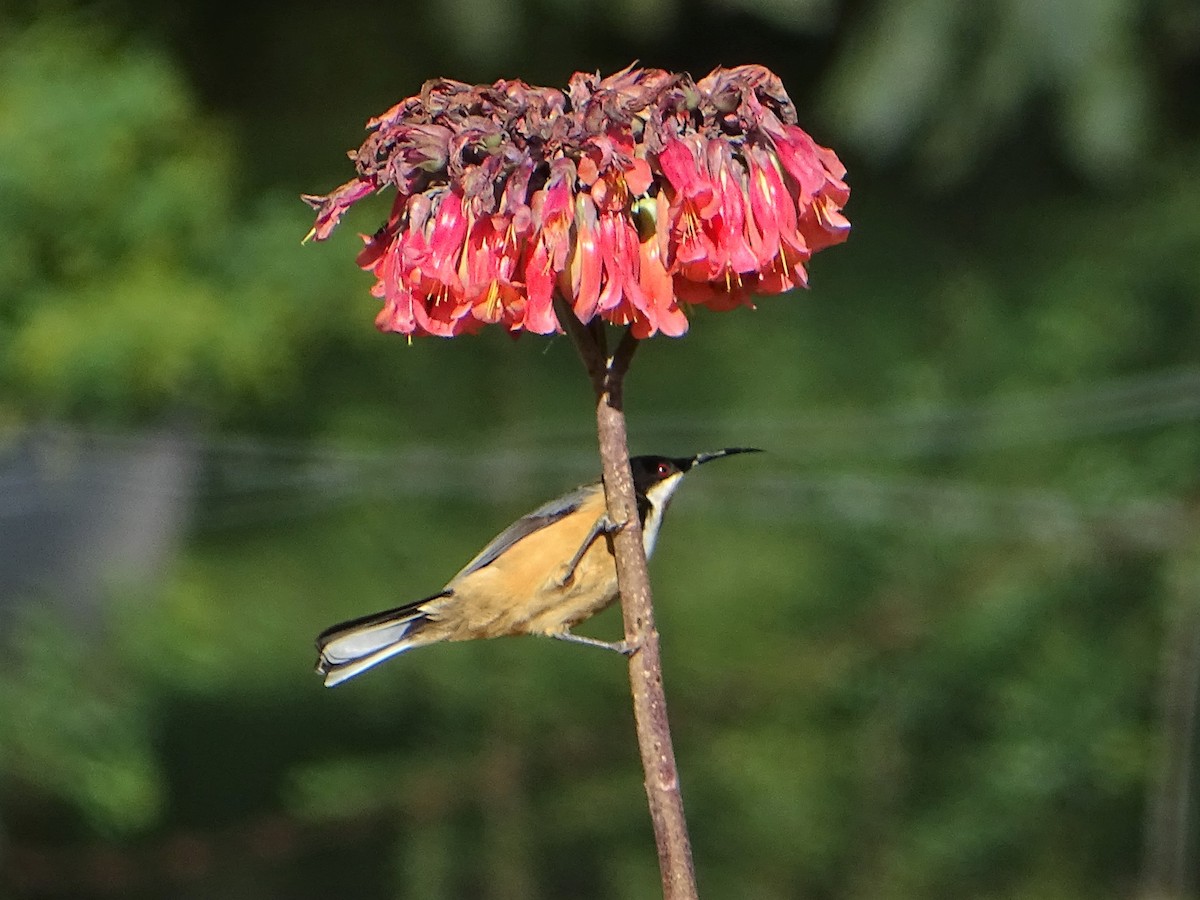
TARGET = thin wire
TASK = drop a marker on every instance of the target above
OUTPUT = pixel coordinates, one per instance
(247, 478)
(1132, 403)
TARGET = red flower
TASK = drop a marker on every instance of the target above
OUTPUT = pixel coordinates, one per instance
(625, 196)
(549, 248)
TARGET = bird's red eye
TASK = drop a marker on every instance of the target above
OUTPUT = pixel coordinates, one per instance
(662, 470)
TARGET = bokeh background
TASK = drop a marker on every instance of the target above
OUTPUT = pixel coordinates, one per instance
(941, 641)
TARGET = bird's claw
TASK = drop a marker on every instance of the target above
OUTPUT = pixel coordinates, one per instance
(627, 648)
(608, 526)
(604, 525)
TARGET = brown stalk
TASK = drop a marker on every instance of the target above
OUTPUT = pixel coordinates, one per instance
(645, 663)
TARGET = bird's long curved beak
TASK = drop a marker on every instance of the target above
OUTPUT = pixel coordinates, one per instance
(701, 458)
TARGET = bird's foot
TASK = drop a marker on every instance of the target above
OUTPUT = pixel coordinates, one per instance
(625, 648)
(604, 525)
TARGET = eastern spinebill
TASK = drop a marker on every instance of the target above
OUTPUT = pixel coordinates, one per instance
(544, 574)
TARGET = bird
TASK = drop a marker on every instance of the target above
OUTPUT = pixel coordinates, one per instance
(544, 574)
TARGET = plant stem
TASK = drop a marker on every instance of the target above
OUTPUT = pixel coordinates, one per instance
(645, 663)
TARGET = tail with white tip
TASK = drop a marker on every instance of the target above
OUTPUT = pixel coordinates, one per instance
(355, 646)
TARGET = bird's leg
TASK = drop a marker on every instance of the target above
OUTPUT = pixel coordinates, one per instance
(622, 647)
(603, 525)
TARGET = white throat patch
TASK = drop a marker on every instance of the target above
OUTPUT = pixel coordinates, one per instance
(659, 495)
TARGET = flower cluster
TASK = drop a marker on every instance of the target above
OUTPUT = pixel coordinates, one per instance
(625, 196)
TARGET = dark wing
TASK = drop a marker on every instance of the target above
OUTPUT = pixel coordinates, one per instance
(526, 525)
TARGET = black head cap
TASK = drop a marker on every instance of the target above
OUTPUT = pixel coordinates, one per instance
(649, 470)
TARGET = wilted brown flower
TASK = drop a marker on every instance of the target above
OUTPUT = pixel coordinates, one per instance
(627, 196)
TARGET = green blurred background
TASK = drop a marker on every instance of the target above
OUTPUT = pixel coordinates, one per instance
(942, 641)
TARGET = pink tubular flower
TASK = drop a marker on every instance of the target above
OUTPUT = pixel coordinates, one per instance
(624, 196)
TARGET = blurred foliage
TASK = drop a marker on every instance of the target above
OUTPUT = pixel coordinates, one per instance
(131, 285)
(949, 80)
(917, 650)
(83, 738)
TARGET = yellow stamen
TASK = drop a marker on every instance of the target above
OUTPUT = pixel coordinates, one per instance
(492, 304)
(621, 189)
